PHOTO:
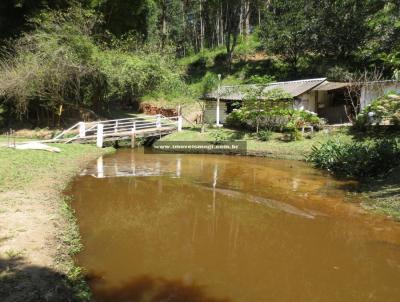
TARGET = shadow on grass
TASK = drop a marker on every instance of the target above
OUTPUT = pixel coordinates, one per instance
(381, 194)
(155, 289)
(237, 135)
(385, 187)
(26, 283)
(373, 133)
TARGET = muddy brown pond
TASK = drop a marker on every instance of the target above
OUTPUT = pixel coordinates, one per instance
(228, 228)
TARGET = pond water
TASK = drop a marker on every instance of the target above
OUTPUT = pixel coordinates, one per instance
(227, 228)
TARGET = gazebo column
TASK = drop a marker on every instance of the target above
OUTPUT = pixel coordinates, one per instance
(218, 103)
(217, 114)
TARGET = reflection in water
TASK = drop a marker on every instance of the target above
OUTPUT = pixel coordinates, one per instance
(146, 288)
(228, 228)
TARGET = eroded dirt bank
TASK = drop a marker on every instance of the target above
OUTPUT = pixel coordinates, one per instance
(38, 233)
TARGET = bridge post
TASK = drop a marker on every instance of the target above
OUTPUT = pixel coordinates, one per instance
(82, 130)
(116, 127)
(158, 121)
(180, 122)
(99, 140)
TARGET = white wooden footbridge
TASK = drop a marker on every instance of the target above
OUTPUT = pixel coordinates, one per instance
(120, 129)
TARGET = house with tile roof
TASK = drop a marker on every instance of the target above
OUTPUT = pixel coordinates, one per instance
(327, 99)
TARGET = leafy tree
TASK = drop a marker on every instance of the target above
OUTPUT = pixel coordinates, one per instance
(383, 38)
(285, 29)
(337, 28)
(14, 13)
(121, 16)
(258, 102)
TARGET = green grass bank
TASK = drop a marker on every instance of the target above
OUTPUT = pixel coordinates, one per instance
(275, 147)
(38, 230)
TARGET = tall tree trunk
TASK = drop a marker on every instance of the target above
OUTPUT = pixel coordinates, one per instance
(241, 19)
(163, 23)
(201, 26)
(247, 17)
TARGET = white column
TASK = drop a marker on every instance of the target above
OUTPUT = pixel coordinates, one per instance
(180, 122)
(218, 101)
(82, 130)
(99, 140)
(217, 114)
(158, 121)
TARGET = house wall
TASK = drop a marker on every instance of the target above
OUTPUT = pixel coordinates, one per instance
(306, 101)
(373, 91)
(210, 114)
(324, 100)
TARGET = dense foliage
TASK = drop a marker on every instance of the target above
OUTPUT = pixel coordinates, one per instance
(385, 109)
(59, 68)
(86, 53)
(271, 110)
(341, 32)
(357, 159)
(350, 34)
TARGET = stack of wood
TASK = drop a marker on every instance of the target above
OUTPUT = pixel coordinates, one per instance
(153, 110)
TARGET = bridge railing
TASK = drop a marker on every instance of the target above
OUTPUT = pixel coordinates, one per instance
(119, 127)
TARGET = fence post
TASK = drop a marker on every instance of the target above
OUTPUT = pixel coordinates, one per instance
(100, 135)
(82, 130)
(116, 127)
(158, 121)
(180, 122)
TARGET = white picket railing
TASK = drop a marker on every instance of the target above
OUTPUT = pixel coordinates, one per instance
(138, 125)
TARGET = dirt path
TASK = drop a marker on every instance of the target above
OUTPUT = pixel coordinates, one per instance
(36, 238)
(30, 227)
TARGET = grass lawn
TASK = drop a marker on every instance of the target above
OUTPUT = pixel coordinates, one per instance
(275, 147)
(383, 195)
(38, 231)
(21, 168)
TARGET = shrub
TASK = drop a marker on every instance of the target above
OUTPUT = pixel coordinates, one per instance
(273, 118)
(385, 108)
(219, 135)
(357, 159)
(308, 118)
(292, 132)
(235, 119)
(209, 82)
(2, 115)
(198, 67)
(220, 59)
(264, 135)
(262, 80)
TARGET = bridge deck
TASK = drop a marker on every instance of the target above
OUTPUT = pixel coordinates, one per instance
(120, 129)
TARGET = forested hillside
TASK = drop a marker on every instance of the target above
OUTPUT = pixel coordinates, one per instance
(69, 58)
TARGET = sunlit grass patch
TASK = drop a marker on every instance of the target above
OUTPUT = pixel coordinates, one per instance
(274, 147)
